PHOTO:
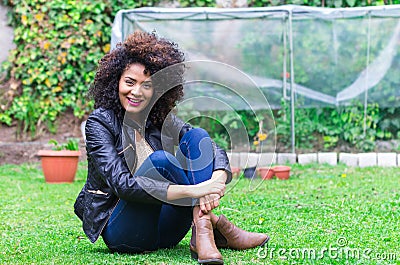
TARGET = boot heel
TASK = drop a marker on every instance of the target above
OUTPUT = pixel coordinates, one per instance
(194, 255)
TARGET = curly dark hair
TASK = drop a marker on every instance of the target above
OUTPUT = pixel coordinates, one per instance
(155, 53)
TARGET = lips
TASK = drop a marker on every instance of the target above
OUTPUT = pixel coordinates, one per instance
(134, 102)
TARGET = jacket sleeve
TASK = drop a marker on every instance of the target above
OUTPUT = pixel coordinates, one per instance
(112, 169)
(221, 161)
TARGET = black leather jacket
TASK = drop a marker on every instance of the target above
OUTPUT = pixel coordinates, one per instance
(109, 178)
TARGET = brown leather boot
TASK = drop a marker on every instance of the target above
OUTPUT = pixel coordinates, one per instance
(202, 244)
(227, 235)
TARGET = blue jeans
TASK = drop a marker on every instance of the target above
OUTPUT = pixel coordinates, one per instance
(138, 227)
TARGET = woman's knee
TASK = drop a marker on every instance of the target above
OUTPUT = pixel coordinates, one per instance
(196, 144)
(196, 138)
(198, 133)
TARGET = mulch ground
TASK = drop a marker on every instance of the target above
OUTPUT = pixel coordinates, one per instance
(16, 149)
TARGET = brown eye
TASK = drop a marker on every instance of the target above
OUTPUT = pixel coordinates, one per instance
(129, 82)
(147, 85)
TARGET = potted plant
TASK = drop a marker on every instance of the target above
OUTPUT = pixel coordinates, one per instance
(59, 165)
(266, 172)
(281, 172)
(261, 136)
(235, 171)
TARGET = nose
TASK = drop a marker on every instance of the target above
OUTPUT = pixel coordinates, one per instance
(136, 91)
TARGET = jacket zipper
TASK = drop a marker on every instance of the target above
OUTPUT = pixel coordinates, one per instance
(97, 192)
(133, 148)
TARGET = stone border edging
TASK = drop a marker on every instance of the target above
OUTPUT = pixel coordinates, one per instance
(244, 159)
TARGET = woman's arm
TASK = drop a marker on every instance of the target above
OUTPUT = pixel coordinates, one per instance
(212, 186)
(220, 174)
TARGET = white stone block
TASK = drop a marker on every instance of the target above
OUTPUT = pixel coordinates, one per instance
(266, 159)
(248, 159)
(387, 159)
(327, 158)
(244, 157)
(254, 159)
(286, 158)
(307, 158)
(234, 159)
(367, 159)
(349, 159)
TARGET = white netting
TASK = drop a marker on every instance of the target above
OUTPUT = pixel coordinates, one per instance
(338, 54)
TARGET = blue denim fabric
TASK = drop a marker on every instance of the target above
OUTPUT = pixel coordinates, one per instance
(137, 227)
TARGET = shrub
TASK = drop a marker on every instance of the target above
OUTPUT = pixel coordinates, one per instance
(58, 46)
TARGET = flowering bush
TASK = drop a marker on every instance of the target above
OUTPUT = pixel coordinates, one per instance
(58, 44)
(260, 137)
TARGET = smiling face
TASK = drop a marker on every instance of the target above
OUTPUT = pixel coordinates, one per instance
(135, 91)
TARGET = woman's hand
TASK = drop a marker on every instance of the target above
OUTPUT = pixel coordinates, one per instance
(208, 203)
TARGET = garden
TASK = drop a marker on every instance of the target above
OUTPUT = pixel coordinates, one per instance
(58, 45)
(322, 214)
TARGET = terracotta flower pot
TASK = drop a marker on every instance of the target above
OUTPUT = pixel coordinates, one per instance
(235, 172)
(281, 172)
(59, 166)
(266, 172)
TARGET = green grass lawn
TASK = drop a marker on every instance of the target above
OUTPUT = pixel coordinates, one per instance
(321, 215)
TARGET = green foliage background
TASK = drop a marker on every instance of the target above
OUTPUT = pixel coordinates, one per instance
(58, 45)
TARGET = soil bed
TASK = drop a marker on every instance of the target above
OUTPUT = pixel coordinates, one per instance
(24, 150)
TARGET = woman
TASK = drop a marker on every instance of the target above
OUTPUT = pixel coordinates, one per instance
(138, 196)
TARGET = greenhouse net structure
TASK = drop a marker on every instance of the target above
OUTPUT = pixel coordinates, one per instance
(310, 57)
